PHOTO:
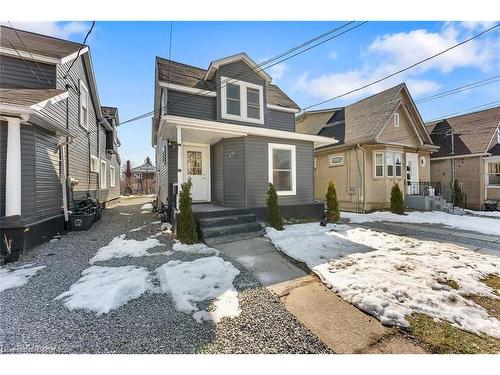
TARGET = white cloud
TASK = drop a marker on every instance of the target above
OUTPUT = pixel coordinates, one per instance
(391, 52)
(277, 71)
(61, 30)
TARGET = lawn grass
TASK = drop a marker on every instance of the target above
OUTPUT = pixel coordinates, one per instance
(493, 281)
(441, 337)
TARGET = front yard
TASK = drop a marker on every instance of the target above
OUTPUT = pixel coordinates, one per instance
(126, 287)
(445, 294)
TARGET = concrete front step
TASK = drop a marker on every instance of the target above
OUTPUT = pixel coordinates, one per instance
(226, 230)
(233, 237)
(226, 220)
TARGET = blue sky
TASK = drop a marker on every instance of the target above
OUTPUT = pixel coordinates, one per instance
(123, 54)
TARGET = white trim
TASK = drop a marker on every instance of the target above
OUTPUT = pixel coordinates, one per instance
(243, 101)
(461, 156)
(281, 146)
(214, 65)
(55, 99)
(249, 130)
(73, 56)
(112, 176)
(102, 175)
(83, 87)
(331, 156)
(96, 159)
(41, 58)
(187, 89)
(282, 109)
(396, 119)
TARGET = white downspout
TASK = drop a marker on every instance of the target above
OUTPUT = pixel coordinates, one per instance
(64, 178)
(179, 162)
(363, 184)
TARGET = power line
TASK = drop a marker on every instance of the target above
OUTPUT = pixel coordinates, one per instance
(455, 90)
(404, 69)
(489, 105)
(261, 67)
(80, 50)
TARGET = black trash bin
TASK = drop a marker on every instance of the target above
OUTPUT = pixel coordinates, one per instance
(81, 221)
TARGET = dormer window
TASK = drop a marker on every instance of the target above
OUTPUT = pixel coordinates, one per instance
(242, 101)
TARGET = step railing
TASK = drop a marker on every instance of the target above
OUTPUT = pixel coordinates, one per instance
(439, 192)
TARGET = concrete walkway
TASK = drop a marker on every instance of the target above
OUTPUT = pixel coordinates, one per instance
(340, 325)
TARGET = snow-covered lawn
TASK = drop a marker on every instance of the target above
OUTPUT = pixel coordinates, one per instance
(13, 278)
(102, 289)
(119, 247)
(391, 277)
(484, 213)
(483, 225)
(200, 280)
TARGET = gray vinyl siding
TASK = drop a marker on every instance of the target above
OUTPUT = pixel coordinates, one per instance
(172, 165)
(17, 74)
(280, 120)
(3, 161)
(217, 173)
(191, 105)
(29, 172)
(162, 168)
(257, 172)
(48, 191)
(234, 172)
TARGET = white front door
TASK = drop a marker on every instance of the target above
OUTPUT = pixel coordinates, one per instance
(197, 166)
(412, 186)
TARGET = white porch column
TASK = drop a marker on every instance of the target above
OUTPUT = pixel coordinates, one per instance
(13, 168)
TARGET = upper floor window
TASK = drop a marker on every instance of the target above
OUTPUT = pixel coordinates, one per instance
(396, 120)
(242, 101)
(84, 102)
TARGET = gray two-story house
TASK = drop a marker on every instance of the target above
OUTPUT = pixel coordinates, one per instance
(57, 144)
(231, 131)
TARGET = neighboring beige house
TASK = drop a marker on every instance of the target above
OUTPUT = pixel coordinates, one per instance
(475, 158)
(382, 141)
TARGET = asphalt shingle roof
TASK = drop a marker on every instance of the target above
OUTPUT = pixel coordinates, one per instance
(36, 43)
(191, 76)
(473, 132)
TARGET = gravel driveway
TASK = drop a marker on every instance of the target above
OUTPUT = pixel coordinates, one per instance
(31, 321)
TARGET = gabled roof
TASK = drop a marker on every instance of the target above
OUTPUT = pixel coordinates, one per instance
(359, 122)
(242, 56)
(191, 76)
(36, 44)
(147, 166)
(473, 132)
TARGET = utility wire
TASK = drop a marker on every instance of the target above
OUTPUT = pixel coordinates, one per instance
(261, 67)
(80, 50)
(404, 69)
(469, 86)
(465, 111)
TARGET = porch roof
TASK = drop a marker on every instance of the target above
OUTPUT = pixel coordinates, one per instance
(210, 132)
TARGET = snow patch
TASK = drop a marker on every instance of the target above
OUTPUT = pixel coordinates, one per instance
(200, 280)
(484, 213)
(391, 277)
(198, 248)
(125, 214)
(102, 289)
(471, 223)
(13, 278)
(146, 208)
(119, 247)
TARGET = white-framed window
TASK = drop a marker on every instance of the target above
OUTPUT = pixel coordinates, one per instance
(393, 160)
(396, 120)
(282, 168)
(494, 173)
(112, 176)
(84, 106)
(315, 161)
(378, 161)
(102, 175)
(242, 101)
(336, 160)
(94, 164)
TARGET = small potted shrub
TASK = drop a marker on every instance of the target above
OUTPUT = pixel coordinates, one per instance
(11, 255)
(332, 203)
(397, 200)
(186, 226)
(274, 217)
